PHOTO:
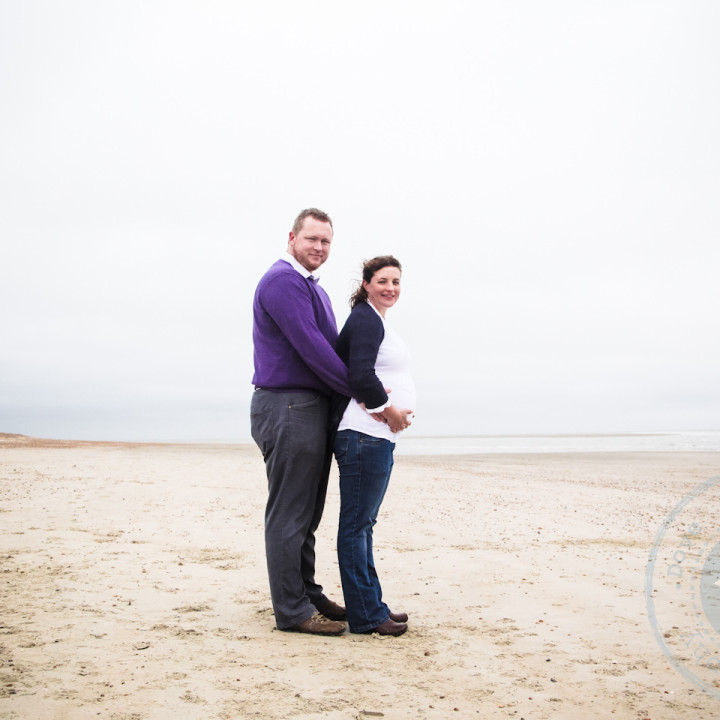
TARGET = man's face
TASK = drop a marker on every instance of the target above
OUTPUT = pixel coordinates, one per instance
(311, 246)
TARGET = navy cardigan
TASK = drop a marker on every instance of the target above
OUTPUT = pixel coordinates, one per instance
(358, 345)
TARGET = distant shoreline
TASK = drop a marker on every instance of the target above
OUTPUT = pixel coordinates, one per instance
(688, 441)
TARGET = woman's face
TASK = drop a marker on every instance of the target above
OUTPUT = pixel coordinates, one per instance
(384, 288)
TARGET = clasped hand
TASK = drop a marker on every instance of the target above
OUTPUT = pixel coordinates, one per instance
(397, 418)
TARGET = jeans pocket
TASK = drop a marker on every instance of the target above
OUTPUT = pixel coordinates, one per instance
(340, 448)
(364, 439)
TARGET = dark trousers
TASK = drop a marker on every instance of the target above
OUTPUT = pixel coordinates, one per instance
(291, 430)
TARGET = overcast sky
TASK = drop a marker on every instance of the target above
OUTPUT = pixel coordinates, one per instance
(547, 172)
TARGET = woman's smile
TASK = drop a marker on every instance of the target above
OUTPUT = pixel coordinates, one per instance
(384, 288)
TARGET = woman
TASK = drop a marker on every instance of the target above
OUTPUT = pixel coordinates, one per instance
(377, 359)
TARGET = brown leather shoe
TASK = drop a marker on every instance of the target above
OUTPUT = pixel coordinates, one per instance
(400, 617)
(319, 625)
(333, 611)
(389, 627)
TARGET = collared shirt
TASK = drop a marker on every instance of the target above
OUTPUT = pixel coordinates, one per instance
(287, 257)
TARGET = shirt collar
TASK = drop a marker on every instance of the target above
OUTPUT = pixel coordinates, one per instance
(287, 257)
(376, 310)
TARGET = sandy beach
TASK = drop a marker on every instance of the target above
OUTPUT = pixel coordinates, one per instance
(133, 586)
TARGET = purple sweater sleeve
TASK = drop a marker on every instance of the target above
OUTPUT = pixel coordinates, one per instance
(294, 334)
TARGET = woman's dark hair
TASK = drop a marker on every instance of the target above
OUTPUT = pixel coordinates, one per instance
(370, 267)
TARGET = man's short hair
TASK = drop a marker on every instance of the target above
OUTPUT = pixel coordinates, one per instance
(313, 213)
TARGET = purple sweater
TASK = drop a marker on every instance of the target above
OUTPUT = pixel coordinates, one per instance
(294, 334)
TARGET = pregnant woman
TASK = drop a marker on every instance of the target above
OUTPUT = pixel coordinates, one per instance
(377, 360)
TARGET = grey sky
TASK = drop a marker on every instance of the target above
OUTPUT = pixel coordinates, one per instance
(548, 174)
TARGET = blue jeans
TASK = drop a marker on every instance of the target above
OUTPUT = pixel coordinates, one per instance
(365, 463)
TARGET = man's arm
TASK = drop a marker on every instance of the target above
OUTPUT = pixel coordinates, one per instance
(287, 300)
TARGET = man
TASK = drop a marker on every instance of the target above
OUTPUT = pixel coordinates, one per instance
(296, 371)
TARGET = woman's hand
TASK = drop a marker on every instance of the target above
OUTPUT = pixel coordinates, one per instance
(397, 418)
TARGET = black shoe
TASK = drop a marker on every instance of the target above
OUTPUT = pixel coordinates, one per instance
(333, 611)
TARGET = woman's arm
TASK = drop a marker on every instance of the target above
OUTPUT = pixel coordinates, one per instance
(358, 346)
